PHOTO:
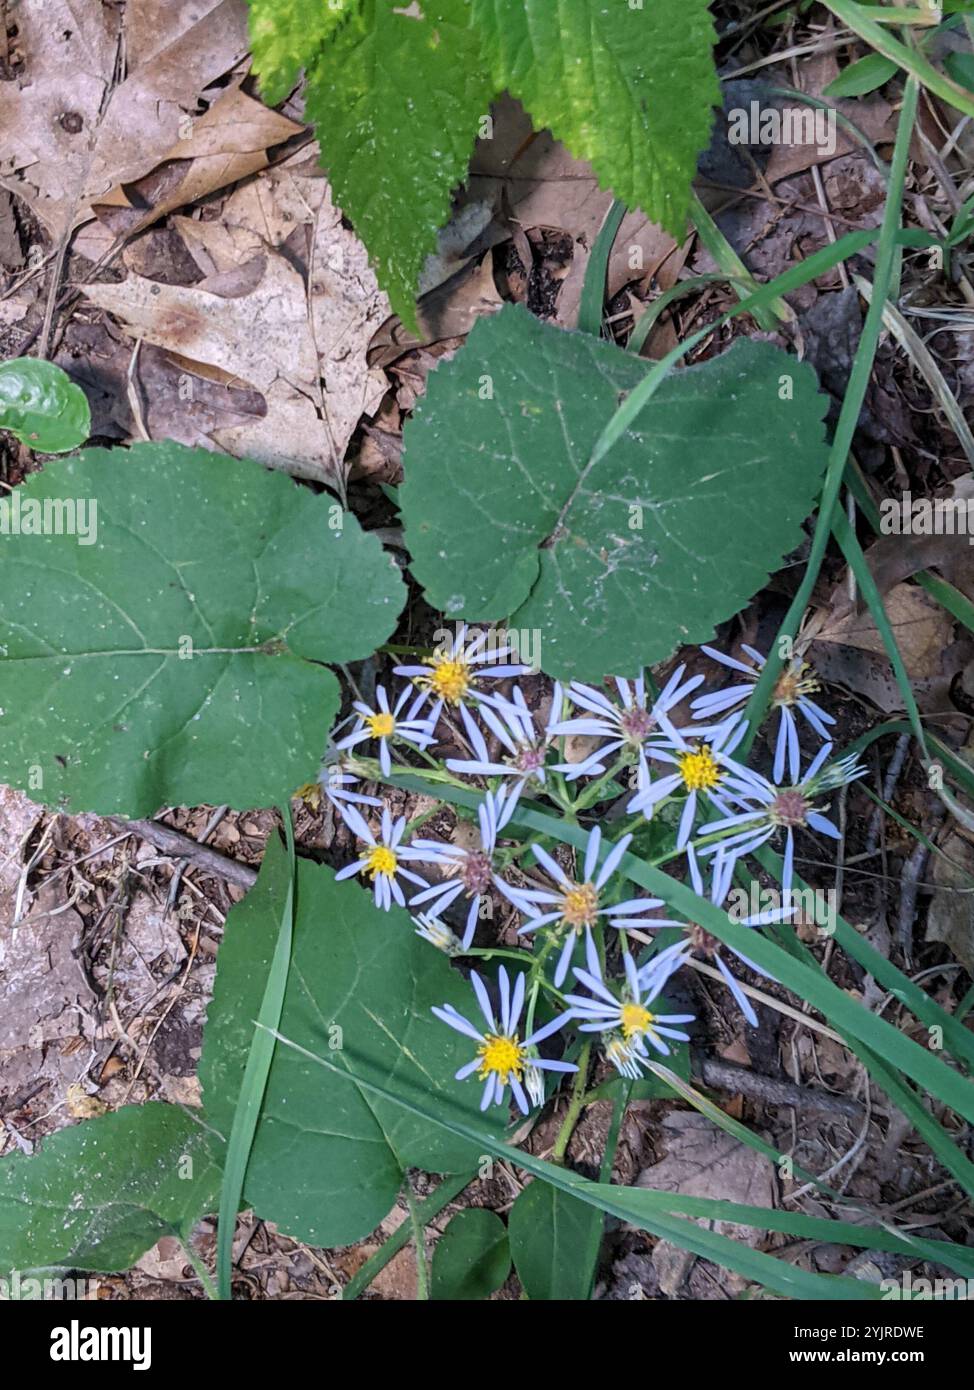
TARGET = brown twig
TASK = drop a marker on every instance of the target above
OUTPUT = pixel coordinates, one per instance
(725, 1076)
(180, 846)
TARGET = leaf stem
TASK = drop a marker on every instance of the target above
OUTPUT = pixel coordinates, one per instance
(575, 1105)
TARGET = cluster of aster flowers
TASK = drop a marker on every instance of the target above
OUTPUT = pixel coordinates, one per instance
(724, 811)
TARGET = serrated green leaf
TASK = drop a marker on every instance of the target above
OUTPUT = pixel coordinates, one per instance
(328, 1157)
(100, 1193)
(553, 1236)
(628, 88)
(396, 101)
(174, 660)
(472, 1257)
(286, 35)
(398, 94)
(41, 406)
(618, 563)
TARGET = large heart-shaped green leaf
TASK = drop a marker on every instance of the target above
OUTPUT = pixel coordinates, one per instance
(328, 1157)
(168, 651)
(100, 1193)
(614, 564)
(42, 407)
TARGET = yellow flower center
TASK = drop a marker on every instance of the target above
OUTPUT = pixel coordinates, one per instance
(381, 860)
(635, 1019)
(380, 725)
(793, 683)
(580, 905)
(699, 769)
(449, 679)
(505, 1056)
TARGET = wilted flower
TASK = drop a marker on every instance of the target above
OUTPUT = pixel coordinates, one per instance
(790, 694)
(383, 859)
(502, 1058)
(438, 934)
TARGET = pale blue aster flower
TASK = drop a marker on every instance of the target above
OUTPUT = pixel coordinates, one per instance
(626, 1017)
(469, 871)
(525, 749)
(383, 859)
(779, 808)
(388, 724)
(630, 724)
(457, 674)
(702, 761)
(790, 694)
(576, 907)
(502, 1058)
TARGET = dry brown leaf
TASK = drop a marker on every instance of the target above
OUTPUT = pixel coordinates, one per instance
(921, 627)
(702, 1161)
(18, 816)
(848, 649)
(301, 342)
(71, 131)
(950, 918)
(229, 142)
(545, 186)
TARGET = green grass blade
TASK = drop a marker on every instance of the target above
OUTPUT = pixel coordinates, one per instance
(594, 286)
(921, 69)
(247, 1112)
(886, 263)
(734, 268)
(652, 1211)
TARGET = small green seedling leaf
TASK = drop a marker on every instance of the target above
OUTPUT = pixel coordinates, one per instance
(862, 77)
(554, 1240)
(166, 647)
(41, 406)
(615, 563)
(472, 1257)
